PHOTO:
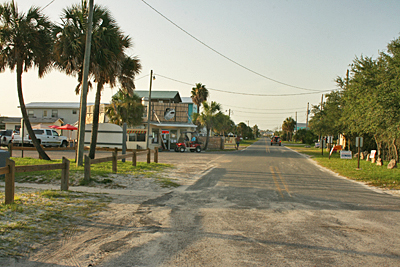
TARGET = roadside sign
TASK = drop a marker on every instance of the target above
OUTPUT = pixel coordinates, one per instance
(359, 142)
(345, 154)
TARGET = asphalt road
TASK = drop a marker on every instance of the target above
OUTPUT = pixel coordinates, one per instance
(267, 205)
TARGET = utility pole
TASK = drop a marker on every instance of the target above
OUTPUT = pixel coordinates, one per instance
(322, 142)
(149, 112)
(296, 122)
(308, 104)
(82, 111)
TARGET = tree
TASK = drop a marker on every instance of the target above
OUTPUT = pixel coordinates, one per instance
(199, 95)
(288, 127)
(242, 129)
(223, 124)
(207, 117)
(26, 42)
(108, 63)
(125, 108)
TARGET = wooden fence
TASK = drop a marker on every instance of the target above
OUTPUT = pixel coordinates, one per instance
(10, 169)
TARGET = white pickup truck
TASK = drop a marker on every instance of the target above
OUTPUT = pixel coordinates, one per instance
(46, 137)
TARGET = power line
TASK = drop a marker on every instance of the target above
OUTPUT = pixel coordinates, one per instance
(236, 93)
(51, 2)
(294, 109)
(227, 58)
(264, 113)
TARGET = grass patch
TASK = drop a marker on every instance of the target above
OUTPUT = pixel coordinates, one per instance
(39, 217)
(99, 172)
(370, 173)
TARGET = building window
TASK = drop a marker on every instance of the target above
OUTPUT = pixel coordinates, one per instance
(44, 113)
(54, 113)
(74, 112)
(137, 136)
(155, 136)
(30, 113)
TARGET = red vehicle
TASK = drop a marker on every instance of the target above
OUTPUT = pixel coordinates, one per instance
(276, 140)
(192, 145)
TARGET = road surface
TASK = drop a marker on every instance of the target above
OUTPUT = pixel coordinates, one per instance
(266, 205)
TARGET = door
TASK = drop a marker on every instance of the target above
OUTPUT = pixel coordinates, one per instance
(165, 135)
(173, 139)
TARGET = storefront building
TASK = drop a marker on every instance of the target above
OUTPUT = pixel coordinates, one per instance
(170, 119)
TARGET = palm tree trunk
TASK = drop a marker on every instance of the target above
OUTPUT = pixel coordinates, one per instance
(207, 138)
(95, 123)
(35, 141)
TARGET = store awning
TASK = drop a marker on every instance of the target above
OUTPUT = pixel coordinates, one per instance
(136, 131)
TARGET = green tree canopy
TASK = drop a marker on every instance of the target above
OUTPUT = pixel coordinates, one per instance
(26, 42)
(125, 108)
(199, 94)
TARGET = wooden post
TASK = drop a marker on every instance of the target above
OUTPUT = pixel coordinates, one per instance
(65, 175)
(10, 182)
(10, 148)
(114, 162)
(134, 158)
(148, 155)
(156, 154)
(87, 169)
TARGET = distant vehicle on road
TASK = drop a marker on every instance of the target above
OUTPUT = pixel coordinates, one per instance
(275, 140)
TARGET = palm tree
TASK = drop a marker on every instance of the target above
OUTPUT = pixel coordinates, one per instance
(108, 62)
(125, 108)
(288, 126)
(207, 117)
(199, 95)
(26, 42)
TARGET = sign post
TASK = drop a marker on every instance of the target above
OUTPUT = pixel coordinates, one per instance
(359, 144)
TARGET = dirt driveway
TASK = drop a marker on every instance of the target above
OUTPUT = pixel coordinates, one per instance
(127, 223)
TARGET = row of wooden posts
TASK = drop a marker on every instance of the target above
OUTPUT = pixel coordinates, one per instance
(10, 169)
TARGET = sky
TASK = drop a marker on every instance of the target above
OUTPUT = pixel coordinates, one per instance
(262, 60)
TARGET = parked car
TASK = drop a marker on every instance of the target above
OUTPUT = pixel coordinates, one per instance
(276, 140)
(5, 137)
(48, 137)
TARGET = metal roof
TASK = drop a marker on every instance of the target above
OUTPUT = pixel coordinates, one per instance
(187, 100)
(66, 105)
(166, 95)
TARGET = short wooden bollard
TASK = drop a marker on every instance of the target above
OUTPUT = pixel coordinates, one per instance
(10, 182)
(148, 155)
(134, 158)
(65, 175)
(114, 162)
(87, 169)
(156, 155)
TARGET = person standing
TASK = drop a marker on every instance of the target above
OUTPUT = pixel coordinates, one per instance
(237, 142)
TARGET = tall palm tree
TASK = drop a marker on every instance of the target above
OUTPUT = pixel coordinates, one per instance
(207, 117)
(108, 61)
(199, 95)
(26, 42)
(288, 126)
(125, 108)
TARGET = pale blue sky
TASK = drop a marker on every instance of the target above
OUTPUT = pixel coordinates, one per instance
(302, 43)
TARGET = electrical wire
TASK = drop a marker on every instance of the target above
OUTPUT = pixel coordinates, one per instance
(51, 2)
(237, 93)
(227, 58)
(261, 108)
